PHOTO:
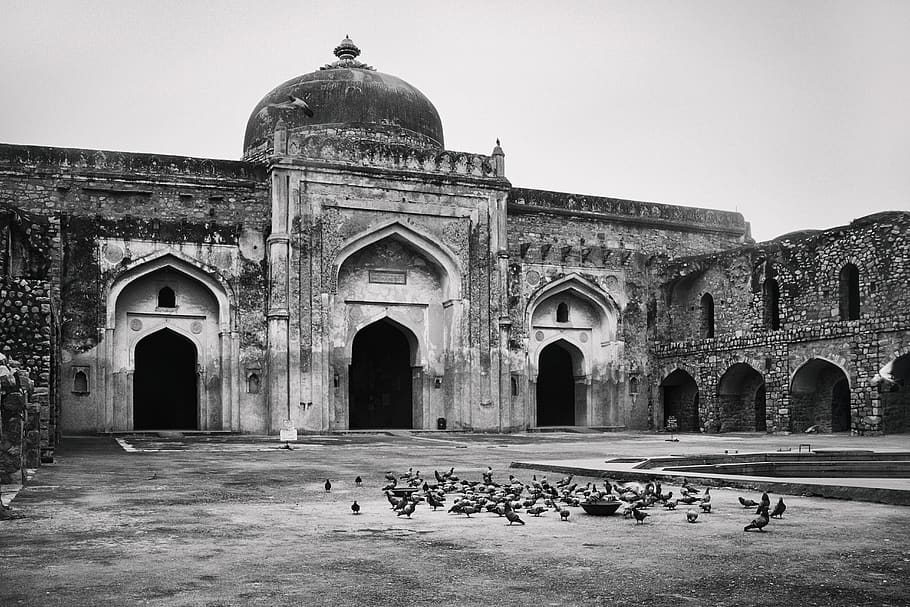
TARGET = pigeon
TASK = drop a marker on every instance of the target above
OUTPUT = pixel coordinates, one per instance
(691, 516)
(670, 505)
(765, 500)
(564, 514)
(298, 102)
(639, 515)
(391, 477)
(758, 522)
(358, 482)
(513, 518)
(778, 511)
(328, 485)
(407, 510)
(747, 503)
(355, 507)
(433, 502)
(537, 510)
(287, 446)
(152, 477)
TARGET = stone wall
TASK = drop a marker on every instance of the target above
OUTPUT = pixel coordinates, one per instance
(806, 267)
(611, 244)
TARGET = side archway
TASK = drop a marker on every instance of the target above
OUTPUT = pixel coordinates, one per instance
(741, 398)
(199, 309)
(820, 397)
(679, 399)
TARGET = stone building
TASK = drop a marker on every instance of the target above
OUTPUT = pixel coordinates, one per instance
(350, 272)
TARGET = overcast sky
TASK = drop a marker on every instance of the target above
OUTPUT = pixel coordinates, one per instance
(794, 113)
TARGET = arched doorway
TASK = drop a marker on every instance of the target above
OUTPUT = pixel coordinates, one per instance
(380, 380)
(560, 401)
(741, 396)
(820, 397)
(165, 393)
(679, 395)
(894, 393)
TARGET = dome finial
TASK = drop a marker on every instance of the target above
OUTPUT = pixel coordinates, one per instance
(347, 53)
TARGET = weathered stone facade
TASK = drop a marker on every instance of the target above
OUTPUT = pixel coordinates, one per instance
(350, 273)
(790, 310)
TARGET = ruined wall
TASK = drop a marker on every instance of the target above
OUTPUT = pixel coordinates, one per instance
(807, 268)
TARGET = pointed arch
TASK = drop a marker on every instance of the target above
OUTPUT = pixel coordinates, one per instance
(584, 289)
(206, 275)
(400, 322)
(581, 366)
(427, 244)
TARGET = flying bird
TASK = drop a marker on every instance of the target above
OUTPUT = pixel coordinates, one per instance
(778, 511)
(355, 507)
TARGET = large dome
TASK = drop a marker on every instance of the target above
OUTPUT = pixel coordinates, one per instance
(349, 94)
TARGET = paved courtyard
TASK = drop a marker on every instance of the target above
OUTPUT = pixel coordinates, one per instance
(235, 520)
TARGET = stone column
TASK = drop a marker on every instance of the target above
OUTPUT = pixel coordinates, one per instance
(278, 247)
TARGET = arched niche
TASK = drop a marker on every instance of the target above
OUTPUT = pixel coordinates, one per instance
(428, 248)
(561, 388)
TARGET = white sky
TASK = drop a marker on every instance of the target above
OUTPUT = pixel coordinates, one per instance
(795, 113)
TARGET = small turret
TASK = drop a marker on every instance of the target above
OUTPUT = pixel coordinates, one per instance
(499, 160)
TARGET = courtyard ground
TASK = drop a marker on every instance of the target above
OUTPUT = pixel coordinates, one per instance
(234, 520)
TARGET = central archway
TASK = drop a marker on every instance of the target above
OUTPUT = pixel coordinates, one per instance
(165, 392)
(380, 380)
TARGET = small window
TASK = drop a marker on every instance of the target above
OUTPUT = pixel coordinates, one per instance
(562, 312)
(707, 316)
(849, 292)
(771, 304)
(167, 298)
(516, 391)
(80, 381)
(253, 383)
(633, 386)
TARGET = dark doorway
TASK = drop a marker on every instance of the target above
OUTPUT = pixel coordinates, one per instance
(840, 407)
(895, 395)
(379, 383)
(819, 398)
(679, 393)
(741, 399)
(555, 387)
(165, 395)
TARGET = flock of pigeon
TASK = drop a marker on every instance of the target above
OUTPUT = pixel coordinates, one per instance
(513, 498)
